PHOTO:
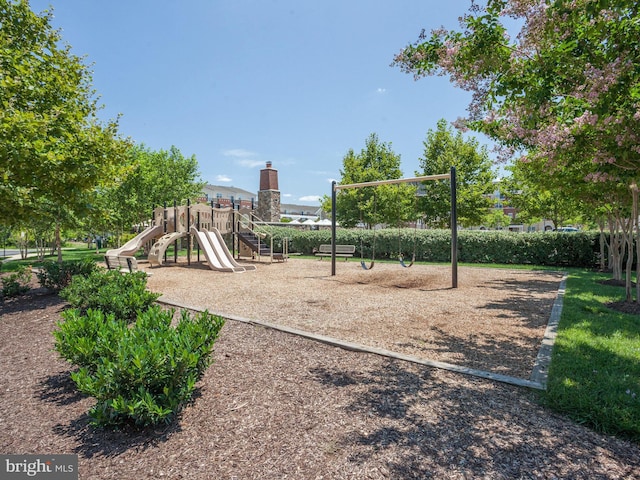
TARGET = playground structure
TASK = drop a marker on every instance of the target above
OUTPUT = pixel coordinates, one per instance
(451, 176)
(207, 226)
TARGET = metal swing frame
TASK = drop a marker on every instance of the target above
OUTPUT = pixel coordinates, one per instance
(454, 217)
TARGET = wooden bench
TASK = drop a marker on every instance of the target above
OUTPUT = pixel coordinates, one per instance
(344, 251)
(124, 264)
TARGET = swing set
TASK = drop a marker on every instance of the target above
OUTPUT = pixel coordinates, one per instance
(415, 241)
(454, 220)
(363, 262)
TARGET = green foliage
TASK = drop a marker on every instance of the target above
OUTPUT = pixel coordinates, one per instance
(536, 196)
(16, 283)
(474, 246)
(57, 275)
(474, 176)
(123, 295)
(594, 375)
(300, 241)
(84, 339)
(54, 152)
(540, 248)
(151, 178)
(143, 374)
(496, 218)
(5, 234)
(383, 204)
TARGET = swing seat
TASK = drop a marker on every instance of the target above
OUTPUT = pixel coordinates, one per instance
(364, 265)
(401, 259)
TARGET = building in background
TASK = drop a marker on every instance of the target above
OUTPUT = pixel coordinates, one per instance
(501, 203)
(265, 201)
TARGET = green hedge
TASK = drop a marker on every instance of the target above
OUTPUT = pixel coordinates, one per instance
(579, 249)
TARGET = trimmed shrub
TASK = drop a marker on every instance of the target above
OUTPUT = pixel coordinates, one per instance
(580, 249)
(123, 295)
(16, 283)
(538, 248)
(143, 374)
(84, 339)
(57, 275)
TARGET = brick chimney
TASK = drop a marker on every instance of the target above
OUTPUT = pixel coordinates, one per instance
(268, 178)
(268, 195)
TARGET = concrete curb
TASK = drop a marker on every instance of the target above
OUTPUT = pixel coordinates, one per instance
(543, 360)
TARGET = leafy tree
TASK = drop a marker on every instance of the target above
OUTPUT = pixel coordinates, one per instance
(391, 204)
(442, 150)
(536, 202)
(5, 234)
(53, 149)
(565, 92)
(496, 218)
(102, 216)
(152, 178)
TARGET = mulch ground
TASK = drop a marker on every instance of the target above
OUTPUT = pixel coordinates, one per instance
(632, 308)
(277, 406)
(494, 321)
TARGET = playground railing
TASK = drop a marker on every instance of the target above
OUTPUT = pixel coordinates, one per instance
(252, 223)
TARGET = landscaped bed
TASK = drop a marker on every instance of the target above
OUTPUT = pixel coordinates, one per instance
(274, 405)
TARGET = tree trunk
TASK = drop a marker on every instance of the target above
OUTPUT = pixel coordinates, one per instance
(58, 242)
(23, 244)
(617, 246)
(627, 233)
(603, 245)
(634, 219)
(41, 248)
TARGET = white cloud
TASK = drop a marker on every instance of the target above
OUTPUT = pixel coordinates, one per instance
(246, 162)
(223, 178)
(287, 195)
(310, 198)
(238, 153)
(244, 158)
(284, 162)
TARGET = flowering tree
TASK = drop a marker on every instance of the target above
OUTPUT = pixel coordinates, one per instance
(565, 93)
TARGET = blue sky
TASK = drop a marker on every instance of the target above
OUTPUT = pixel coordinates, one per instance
(238, 83)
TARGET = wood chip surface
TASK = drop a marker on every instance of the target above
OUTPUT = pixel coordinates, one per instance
(493, 321)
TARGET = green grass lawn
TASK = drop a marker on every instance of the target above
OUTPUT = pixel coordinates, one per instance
(594, 376)
(67, 254)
